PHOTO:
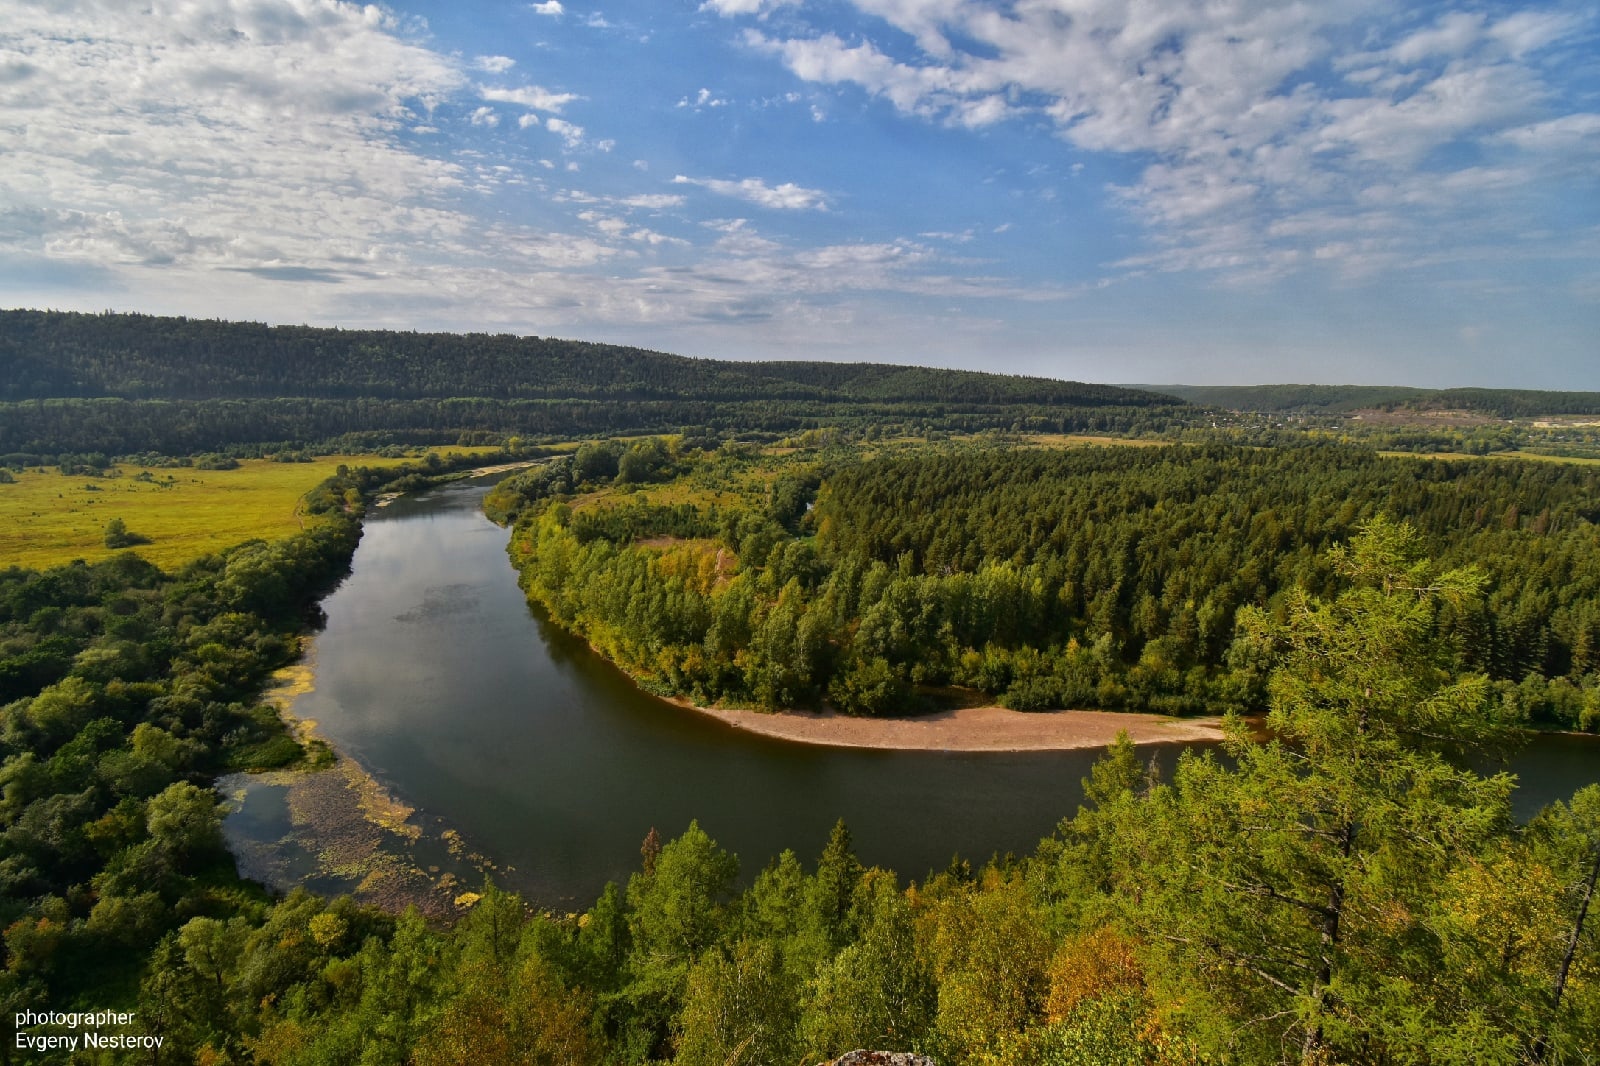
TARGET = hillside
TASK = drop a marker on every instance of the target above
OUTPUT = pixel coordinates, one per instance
(47, 354)
(1347, 399)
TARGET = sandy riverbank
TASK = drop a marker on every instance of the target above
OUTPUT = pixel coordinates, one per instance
(502, 468)
(970, 729)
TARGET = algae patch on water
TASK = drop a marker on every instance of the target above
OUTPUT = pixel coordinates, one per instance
(337, 830)
(330, 826)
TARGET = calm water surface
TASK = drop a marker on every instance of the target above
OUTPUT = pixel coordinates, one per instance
(435, 675)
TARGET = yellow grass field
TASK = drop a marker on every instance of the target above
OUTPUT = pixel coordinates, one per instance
(1579, 460)
(49, 519)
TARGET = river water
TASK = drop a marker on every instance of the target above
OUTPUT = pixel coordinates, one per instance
(435, 676)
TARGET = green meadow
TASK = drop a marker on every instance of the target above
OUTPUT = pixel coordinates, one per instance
(48, 518)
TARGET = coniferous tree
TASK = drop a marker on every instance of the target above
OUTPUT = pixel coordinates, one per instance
(1289, 892)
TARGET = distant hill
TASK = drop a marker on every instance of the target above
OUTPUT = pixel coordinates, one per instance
(1344, 399)
(121, 384)
(46, 354)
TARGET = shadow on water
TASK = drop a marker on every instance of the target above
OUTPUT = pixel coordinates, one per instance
(437, 678)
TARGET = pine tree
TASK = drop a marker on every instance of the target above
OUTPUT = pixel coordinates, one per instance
(1288, 891)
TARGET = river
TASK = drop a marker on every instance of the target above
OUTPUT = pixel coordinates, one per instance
(516, 742)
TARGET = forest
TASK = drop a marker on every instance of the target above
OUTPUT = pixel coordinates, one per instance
(1114, 577)
(59, 354)
(1342, 399)
(132, 383)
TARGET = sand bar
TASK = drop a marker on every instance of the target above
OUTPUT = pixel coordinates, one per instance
(971, 729)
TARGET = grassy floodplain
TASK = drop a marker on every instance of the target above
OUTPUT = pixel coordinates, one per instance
(1537, 457)
(48, 518)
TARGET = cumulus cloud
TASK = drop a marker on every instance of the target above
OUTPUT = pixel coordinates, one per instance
(549, 7)
(785, 197)
(494, 64)
(1579, 132)
(653, 201)
(729, 8)
(530, 96)
(571, 135)
(210, 155)
(703, 98)
(220, 135)
(1244, 114)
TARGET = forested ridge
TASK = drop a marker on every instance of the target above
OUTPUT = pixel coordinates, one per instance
(57, 354)
(180, 427)
(1108, 577)
(1343, 399)
(120, 384)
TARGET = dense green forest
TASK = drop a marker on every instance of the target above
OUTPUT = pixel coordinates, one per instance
(1343, 399)
(135, 383)
(1350, 891)
(56, 354)
(1112, 577)
(34, 431)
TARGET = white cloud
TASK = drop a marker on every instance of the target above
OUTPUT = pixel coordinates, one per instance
(704, 98)
(1229, 108)
(653, 201)
(1570, 132)
(607, 224)
(494, 64)
(788, 196)
(1528, 31)
(250, 159)
(485, 116)
(571, 135)
(206, 136)
(549, 7)
(1452, 35)
(530, 96)
(621, 229)
(639, 202)
(729, 8)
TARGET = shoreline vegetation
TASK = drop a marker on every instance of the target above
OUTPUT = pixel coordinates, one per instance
(986, 727)
(865, 577)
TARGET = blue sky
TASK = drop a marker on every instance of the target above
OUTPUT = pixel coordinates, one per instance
(1177, 191)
